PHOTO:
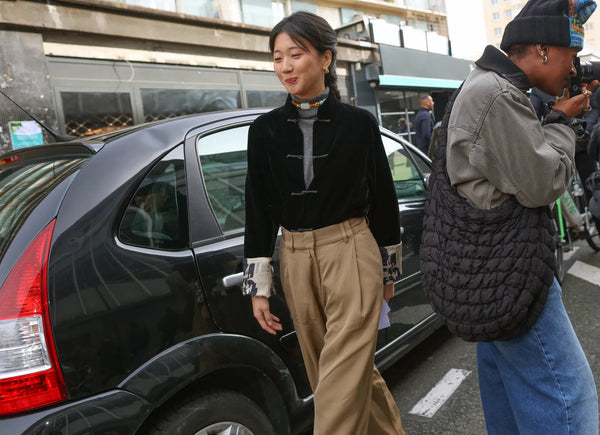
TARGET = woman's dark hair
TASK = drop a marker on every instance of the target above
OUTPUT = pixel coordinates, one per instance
(304, 26)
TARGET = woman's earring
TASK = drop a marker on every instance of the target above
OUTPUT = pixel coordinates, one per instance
(544, 57)
(327, 70)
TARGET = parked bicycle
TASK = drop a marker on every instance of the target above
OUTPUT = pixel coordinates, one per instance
(573, 221)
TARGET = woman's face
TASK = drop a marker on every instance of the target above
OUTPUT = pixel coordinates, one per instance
(556, 74)
(301, 71)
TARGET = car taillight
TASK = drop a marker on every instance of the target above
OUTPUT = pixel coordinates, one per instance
(29, 373)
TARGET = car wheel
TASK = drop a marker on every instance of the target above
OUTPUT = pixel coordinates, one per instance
(217, 413)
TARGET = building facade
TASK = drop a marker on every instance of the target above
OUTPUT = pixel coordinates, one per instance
(86, 66)
(498, 13)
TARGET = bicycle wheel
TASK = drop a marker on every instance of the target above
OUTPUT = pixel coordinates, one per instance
(593, 234)
(559, 271)
(592, 227)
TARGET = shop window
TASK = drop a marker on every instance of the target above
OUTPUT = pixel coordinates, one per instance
(89, 113)
(397, 110)
(157, 216)
(266, 98)
(168, 103)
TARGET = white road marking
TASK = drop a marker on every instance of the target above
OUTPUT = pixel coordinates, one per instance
(569, 254)
(586, 272)
(433, 401)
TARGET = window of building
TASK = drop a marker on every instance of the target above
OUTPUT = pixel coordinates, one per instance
(157, 216)
(298, 5)
(437, 5)
(419, 24)
(331, 14)
(278, 11)
(224, 166)
(418, 4)
(258, 12)
(394, 19)
(203, 8)
(494, 2)
(350, 15)
(168, 103)
(165, 5)
(508, 13)
(229, 10)
(496, 16)
(87, 113)
(497, 31)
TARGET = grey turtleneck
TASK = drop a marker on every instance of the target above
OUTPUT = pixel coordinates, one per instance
(306, 119)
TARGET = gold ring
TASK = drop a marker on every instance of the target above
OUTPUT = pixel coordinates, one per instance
(586, 93)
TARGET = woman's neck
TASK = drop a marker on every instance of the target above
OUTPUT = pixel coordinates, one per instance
(317, 97)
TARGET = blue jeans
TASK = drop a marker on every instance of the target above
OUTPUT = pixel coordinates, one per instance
(540, 382)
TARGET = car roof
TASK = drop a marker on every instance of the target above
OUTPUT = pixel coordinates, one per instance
(162, 134)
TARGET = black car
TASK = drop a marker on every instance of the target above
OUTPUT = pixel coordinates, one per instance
(121, 310)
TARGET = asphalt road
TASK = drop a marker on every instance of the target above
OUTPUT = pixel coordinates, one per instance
(413, 377)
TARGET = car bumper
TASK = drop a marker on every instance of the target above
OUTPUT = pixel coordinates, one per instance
(112, 413)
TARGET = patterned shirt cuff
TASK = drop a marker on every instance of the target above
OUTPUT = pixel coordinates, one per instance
(391, 257)
(258, 277)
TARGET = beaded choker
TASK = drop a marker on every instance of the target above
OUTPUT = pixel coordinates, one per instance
(308, 105)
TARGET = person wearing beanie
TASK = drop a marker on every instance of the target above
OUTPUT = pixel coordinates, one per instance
(487, 254)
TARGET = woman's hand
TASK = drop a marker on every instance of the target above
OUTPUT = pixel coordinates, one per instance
(262, 313)
(573, 106)
(388, 292)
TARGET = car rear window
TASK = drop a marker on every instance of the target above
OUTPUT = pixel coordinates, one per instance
(23, 185)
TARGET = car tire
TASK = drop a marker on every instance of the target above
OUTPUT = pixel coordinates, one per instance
(214, 413)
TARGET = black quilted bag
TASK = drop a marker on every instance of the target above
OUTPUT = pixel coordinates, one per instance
(485, 272)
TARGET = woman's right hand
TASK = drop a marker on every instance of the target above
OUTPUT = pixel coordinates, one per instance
(262, 313)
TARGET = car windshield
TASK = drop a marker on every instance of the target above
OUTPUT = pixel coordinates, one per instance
(23, 185)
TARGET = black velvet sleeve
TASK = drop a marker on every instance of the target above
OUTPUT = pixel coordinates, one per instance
(261, 229)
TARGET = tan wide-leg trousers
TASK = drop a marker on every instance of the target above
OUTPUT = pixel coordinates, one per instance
(332, 280)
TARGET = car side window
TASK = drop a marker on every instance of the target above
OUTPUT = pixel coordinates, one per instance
(224, 164)
(156, 216)
(407, 178)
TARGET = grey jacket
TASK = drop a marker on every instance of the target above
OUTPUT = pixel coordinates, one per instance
(497, 146)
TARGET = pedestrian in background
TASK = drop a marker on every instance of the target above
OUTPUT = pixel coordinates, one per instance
(402, 127)
(487, 256)
(317, 169)
(424, 123)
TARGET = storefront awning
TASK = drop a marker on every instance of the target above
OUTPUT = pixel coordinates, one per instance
(418, 82)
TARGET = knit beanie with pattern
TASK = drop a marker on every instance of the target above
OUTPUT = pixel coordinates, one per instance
(551, 22)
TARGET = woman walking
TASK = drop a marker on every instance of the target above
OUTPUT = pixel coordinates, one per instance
(317, 169)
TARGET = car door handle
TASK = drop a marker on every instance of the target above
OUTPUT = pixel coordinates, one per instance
(233, 280)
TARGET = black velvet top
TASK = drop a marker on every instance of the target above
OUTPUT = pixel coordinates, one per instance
(352, 177)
